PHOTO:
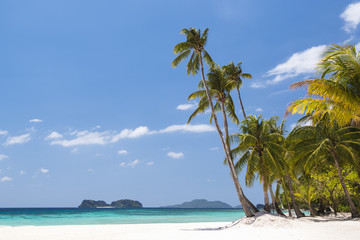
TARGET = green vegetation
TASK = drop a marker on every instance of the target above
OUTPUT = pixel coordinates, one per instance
(316, 167)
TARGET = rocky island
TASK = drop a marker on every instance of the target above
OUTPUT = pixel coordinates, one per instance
(201, 203)
(124, 203)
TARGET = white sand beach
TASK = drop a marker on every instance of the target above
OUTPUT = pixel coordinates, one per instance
(264, 226)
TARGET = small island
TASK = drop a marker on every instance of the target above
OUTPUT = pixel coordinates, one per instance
(201, 203)
(124, 203)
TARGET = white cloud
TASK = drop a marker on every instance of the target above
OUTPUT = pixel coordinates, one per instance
(75, 150)
(187, 106)
(106, 137)
(133, 163)
(257, 85)
(130, 164)
(5, 179)
(35, 120)
(150, 163)
(22, 172)
(259, 109)
(299, 63)
(199, 128)
(351, 16)
(306, 123)
(214, 149)
(18, 139)
(175, 155)
(3, 156)
(122, 152)
(54, 135)
(44, 170)
(3, 132)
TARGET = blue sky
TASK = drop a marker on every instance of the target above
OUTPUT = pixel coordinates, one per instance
(92, 109)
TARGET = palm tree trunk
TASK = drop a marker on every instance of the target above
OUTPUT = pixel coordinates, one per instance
(226, 128)
(274, 202)
(353, 210)
(248, 202)
(312, 212)
(251, 205)
(241, 104)
(238, 188)
(266, 198)
(299, 214)
(287, 202)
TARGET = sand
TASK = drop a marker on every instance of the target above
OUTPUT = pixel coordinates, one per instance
(263, 226)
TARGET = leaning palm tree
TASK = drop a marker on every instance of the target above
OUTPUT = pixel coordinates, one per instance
(327, 143)
(337, 91)
(194, 46)
(219, 88)
(259, 148)
(235, 74)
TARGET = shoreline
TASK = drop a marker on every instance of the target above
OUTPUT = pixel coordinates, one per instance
(261, 227)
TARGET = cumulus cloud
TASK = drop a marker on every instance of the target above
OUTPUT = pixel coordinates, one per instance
(5, 179)
(44, 170)
(54, 135)
(35, 120)
(3, 156)
(3, 132)
(351, 16)
(18, 139)
(259, 109)
(106, 137)
(122, 152)
(175, 155)
(187, 106)
(299, 63)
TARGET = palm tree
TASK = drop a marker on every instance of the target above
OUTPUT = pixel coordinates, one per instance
(327, 143)
(219, 88)
(194, 45)
(339, 94)
(234, 73)
(259, 147)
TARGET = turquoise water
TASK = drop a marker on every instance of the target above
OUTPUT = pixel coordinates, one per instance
(76, 216)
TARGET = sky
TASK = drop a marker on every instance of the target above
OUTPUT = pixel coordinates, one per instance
(92, 109)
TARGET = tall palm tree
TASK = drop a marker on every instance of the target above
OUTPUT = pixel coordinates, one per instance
(337, 91)
(219, 88)
(327, 143)
(259, 147)
(194, 45)
(235, 74)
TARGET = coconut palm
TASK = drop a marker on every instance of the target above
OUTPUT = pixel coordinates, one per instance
(327, 143)
(235, 74)
(194, 45)
(259, 148)
(337, 91)
(219, 88)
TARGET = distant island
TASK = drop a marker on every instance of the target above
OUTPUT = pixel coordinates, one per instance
(201, 203)
(124, 203)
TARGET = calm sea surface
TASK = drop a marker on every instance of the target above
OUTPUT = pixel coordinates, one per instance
(76, 216)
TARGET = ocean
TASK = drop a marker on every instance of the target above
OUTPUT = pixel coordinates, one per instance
(78, 216)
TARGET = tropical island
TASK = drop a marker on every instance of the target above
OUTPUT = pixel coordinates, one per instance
(124, 203)
(201, 203)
